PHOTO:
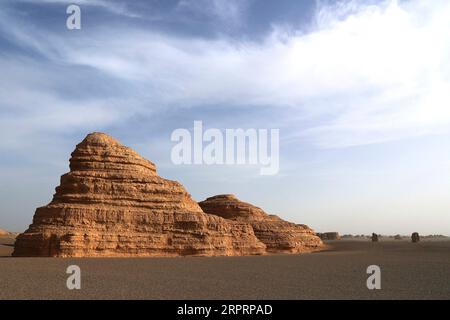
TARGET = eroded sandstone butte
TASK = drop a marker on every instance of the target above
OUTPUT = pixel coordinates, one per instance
(113, 203)
(278, 235)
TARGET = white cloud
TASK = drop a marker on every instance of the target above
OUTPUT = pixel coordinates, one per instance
(367, 74)
(30, 105)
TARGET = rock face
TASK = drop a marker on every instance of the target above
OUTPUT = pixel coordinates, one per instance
(415, 237)
(278, 235)
(329, 236)
(113, 203)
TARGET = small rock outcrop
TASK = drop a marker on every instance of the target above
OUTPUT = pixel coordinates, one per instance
(278, 235)
(112, 203)
(375, 237)
(3, 232)
(415, 237)
(329, 236)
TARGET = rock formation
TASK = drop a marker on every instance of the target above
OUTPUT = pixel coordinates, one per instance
(113, 203)
(3, 232)
(375, 237)
(415, 237)
(329, 236)
(278, 235)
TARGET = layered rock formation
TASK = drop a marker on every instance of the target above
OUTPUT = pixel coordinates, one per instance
(278, 235)
(329, 236)
(113, 203)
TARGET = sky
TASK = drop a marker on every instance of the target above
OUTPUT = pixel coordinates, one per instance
(359, 89)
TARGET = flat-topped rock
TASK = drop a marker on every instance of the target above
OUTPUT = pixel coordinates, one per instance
(113, 203)
(278, 235)
(415, 237)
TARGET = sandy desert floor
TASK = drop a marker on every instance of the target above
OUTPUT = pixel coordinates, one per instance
(408, 271)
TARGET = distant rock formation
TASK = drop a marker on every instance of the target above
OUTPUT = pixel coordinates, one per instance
(415, 237)
(3, 232)
(278, 235)
(375, 237)
(329, 236)
(356, 236)
(398, 237)
(435, 236)
(113, 203)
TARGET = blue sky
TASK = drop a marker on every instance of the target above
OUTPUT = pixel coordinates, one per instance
(360, 91)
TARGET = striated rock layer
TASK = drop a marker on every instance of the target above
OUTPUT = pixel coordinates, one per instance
(113, 203)
(329, 235)
(278, 235)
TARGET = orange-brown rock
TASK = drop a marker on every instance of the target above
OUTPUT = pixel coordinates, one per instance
(113, 203)
(278, 235)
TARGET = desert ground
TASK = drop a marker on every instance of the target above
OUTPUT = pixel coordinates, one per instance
(408, 271)
(6, 245)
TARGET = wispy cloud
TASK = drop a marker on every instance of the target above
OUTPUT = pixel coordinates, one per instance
(367, 74)
(116, 7)
(30, 104)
